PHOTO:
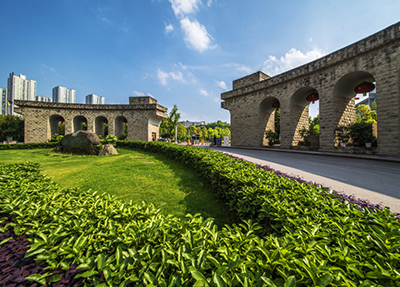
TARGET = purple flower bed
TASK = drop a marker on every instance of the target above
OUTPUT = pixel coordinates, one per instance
(361, 203)
(15, 267)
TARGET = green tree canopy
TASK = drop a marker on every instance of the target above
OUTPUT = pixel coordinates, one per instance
(167, 127)
(182, 132)
(11, 126)
(364, 114)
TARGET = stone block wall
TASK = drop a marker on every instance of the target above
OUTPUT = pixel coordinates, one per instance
(334, 77)
(40, 116)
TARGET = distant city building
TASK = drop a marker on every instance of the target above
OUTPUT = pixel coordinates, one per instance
(95, 100)
(64, 95)
(3, 101)
(368, 101)
(188, 124)
(43, 99)
(19, 88)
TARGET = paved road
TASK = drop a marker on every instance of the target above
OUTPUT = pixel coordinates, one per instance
(376, 181)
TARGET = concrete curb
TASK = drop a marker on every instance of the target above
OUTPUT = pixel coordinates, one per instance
(360, 156)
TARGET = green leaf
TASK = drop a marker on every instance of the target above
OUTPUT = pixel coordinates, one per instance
(5, 240)
(325, 280)
(218, 280)
(55, 278)
(87, 274)
(201, 283)
(196, 274)
(268, 281)
(376, 275)
(290, 282)
(101, 261)
(37, 278)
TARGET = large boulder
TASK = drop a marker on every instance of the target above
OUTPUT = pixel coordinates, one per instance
(107, 149)
(81, 142)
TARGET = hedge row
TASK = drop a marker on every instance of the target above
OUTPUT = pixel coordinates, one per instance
(293, 234)
(27, 145)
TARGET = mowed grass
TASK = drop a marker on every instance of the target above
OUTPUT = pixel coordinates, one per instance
(131, 175)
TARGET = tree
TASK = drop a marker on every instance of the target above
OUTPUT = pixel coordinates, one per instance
(168, 125)
(314, 125)
(192, 130)
(204, 133)
(11, 126)
(182, 132)
(365, 115)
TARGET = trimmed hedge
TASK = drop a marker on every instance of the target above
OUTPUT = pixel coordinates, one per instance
(27, 145)
(293, 234)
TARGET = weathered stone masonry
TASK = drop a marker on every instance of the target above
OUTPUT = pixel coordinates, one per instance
(333, 77)
(143, 116)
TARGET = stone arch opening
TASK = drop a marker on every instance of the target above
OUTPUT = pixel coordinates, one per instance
(344, 99)
(266, 117)
(299, 117)
(79, 123)
(57, 126)
(153, 125)
(101, 126)
(121, 127)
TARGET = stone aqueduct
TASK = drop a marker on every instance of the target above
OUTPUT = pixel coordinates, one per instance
(334, 77)
(143, 116)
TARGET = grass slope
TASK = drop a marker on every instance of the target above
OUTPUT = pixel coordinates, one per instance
(131, 175)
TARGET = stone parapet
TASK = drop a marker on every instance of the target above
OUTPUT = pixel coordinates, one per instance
(380, 40)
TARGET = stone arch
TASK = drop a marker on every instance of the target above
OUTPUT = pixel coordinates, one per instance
(344, 97)
(266, 117)
(99, 125)
(119, 126)
(299, 112)
(78, 123)
(54, 121)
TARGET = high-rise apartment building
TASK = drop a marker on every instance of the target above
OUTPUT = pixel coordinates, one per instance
(3, 101)
(95, 100)
(43, 99)
(19, 88)
(63, 95)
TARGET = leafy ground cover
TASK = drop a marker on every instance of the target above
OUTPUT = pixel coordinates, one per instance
(132, 175)
(293, 234)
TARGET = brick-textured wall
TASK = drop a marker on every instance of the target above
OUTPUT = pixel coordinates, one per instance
(41, 119)
(334, 77)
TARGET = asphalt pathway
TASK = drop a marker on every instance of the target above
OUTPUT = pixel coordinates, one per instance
(367, 179)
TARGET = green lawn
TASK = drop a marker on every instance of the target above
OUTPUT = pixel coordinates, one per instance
(131, 175)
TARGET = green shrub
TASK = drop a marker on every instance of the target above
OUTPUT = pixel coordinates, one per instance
(27, 145)
(293, 234)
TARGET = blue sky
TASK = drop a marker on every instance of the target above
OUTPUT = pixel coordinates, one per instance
(183, 52)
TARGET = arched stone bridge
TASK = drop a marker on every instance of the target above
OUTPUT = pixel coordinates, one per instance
(142, 116)
(334, 77)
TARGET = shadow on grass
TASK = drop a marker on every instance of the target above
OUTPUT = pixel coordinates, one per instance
(199, 195)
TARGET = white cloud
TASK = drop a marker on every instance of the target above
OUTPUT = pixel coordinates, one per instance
(241, 68)
(222, 85)
(184, 7)
(169, 28)
(209, 2)
(164, 76)
(140, 94)
(150, 95)
(292, 59)
(196, 35)
(204, 93)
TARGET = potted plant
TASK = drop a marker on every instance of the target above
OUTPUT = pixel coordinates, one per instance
(270, 136)
(368, 139)
(342, 134)
(361, 133)
(305, 133)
